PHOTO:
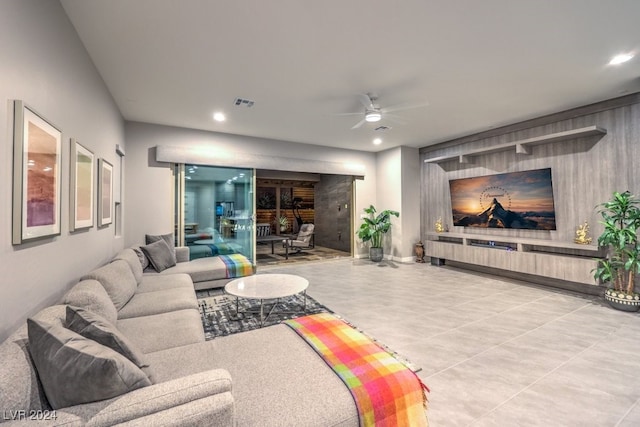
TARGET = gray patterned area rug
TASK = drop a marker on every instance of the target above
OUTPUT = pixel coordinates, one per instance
(219, 317)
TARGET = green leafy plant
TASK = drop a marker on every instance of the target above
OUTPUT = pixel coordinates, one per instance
(375, 226)
(621, 220)
(283, 221)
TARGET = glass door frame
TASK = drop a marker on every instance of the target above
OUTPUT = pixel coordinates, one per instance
(179, 205)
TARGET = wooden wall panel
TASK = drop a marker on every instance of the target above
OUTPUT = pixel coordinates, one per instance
(585, 172)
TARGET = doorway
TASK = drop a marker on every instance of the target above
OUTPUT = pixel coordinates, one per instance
(215, 210)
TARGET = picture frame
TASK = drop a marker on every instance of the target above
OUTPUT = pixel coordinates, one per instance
(37, 159)
(81, 187)
(105, 193)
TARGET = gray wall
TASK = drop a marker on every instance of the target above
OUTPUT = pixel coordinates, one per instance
(585, 171)
(398, 171)
(44, 64)
(151, 210)
(333, 212)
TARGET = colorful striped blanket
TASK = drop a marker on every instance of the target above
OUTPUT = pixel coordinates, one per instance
(386, 392)
(223, 248)
(237, 265)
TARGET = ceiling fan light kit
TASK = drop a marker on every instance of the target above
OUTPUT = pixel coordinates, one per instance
(373, 116)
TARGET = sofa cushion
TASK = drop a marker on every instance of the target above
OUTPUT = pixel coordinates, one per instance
(162, 331)
(90, 294)
(118, 281)
(160, 255)
(164, 301)
(144, 261)
(161, 282)
(201, 269)
(130, 256)
(75, 370)
(98, 329)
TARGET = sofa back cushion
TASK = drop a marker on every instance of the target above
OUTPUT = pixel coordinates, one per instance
(74, 369)
(117, 279)
(130, 256)
(20, 389)
(91, 295)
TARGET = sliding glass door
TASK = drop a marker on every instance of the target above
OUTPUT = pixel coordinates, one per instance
(215, 210)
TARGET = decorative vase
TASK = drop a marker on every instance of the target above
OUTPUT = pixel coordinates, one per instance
(376, 254)
(622, 301)
(419, 252)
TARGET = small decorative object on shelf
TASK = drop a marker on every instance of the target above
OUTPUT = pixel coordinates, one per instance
(419, 252)
(582, 234)
(439, 226)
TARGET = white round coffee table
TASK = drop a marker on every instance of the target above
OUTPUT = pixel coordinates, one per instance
(267, 287)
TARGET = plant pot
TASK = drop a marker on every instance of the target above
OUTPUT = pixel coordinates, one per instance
(376, 254)
(622, 301)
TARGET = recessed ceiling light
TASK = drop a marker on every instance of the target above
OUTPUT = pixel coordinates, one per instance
(219, 117)
(619, 59)
(377, 141)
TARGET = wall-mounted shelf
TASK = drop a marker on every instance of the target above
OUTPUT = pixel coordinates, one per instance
(522, 146)
(546, 258)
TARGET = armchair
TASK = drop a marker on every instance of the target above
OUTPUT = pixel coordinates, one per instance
(304, 240)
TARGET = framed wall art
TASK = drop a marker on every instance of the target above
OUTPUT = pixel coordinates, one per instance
(37, 149)
(81, 179)
(105, 193)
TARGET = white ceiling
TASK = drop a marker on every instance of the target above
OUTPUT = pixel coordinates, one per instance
(479, 64)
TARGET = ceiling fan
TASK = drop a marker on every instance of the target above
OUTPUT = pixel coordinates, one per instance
(374, 113)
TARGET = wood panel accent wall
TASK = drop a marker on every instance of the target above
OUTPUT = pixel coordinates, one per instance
(585, 171)
(303, 189)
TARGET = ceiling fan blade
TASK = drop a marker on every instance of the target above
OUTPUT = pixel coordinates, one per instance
(395, 119)
(348, 114)
(401, 107)
(360, 123)
(365, 99)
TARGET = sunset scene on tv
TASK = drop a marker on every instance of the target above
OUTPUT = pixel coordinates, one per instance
(520, 200)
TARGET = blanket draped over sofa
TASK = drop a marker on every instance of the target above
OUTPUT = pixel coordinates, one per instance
(386, 392)
(237, 265)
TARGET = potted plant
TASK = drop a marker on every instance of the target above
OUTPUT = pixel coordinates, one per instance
(621, 265)
(373, 228)
(283, 222)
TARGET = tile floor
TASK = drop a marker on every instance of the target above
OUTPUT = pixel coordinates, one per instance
(494, 351)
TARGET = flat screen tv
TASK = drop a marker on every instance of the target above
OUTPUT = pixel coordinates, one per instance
(516, 200)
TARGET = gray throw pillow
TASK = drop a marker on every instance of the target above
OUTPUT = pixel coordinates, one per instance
(150, 238)
(75, 370)
(160, 255)
(100, 330)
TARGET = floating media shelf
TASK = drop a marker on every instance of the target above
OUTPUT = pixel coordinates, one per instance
(522, 146)
(546, 258)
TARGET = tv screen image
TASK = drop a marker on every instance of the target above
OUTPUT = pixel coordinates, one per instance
(517, 200)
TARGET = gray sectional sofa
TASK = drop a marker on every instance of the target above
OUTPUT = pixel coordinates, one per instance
(206, 273)
(266, 377)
